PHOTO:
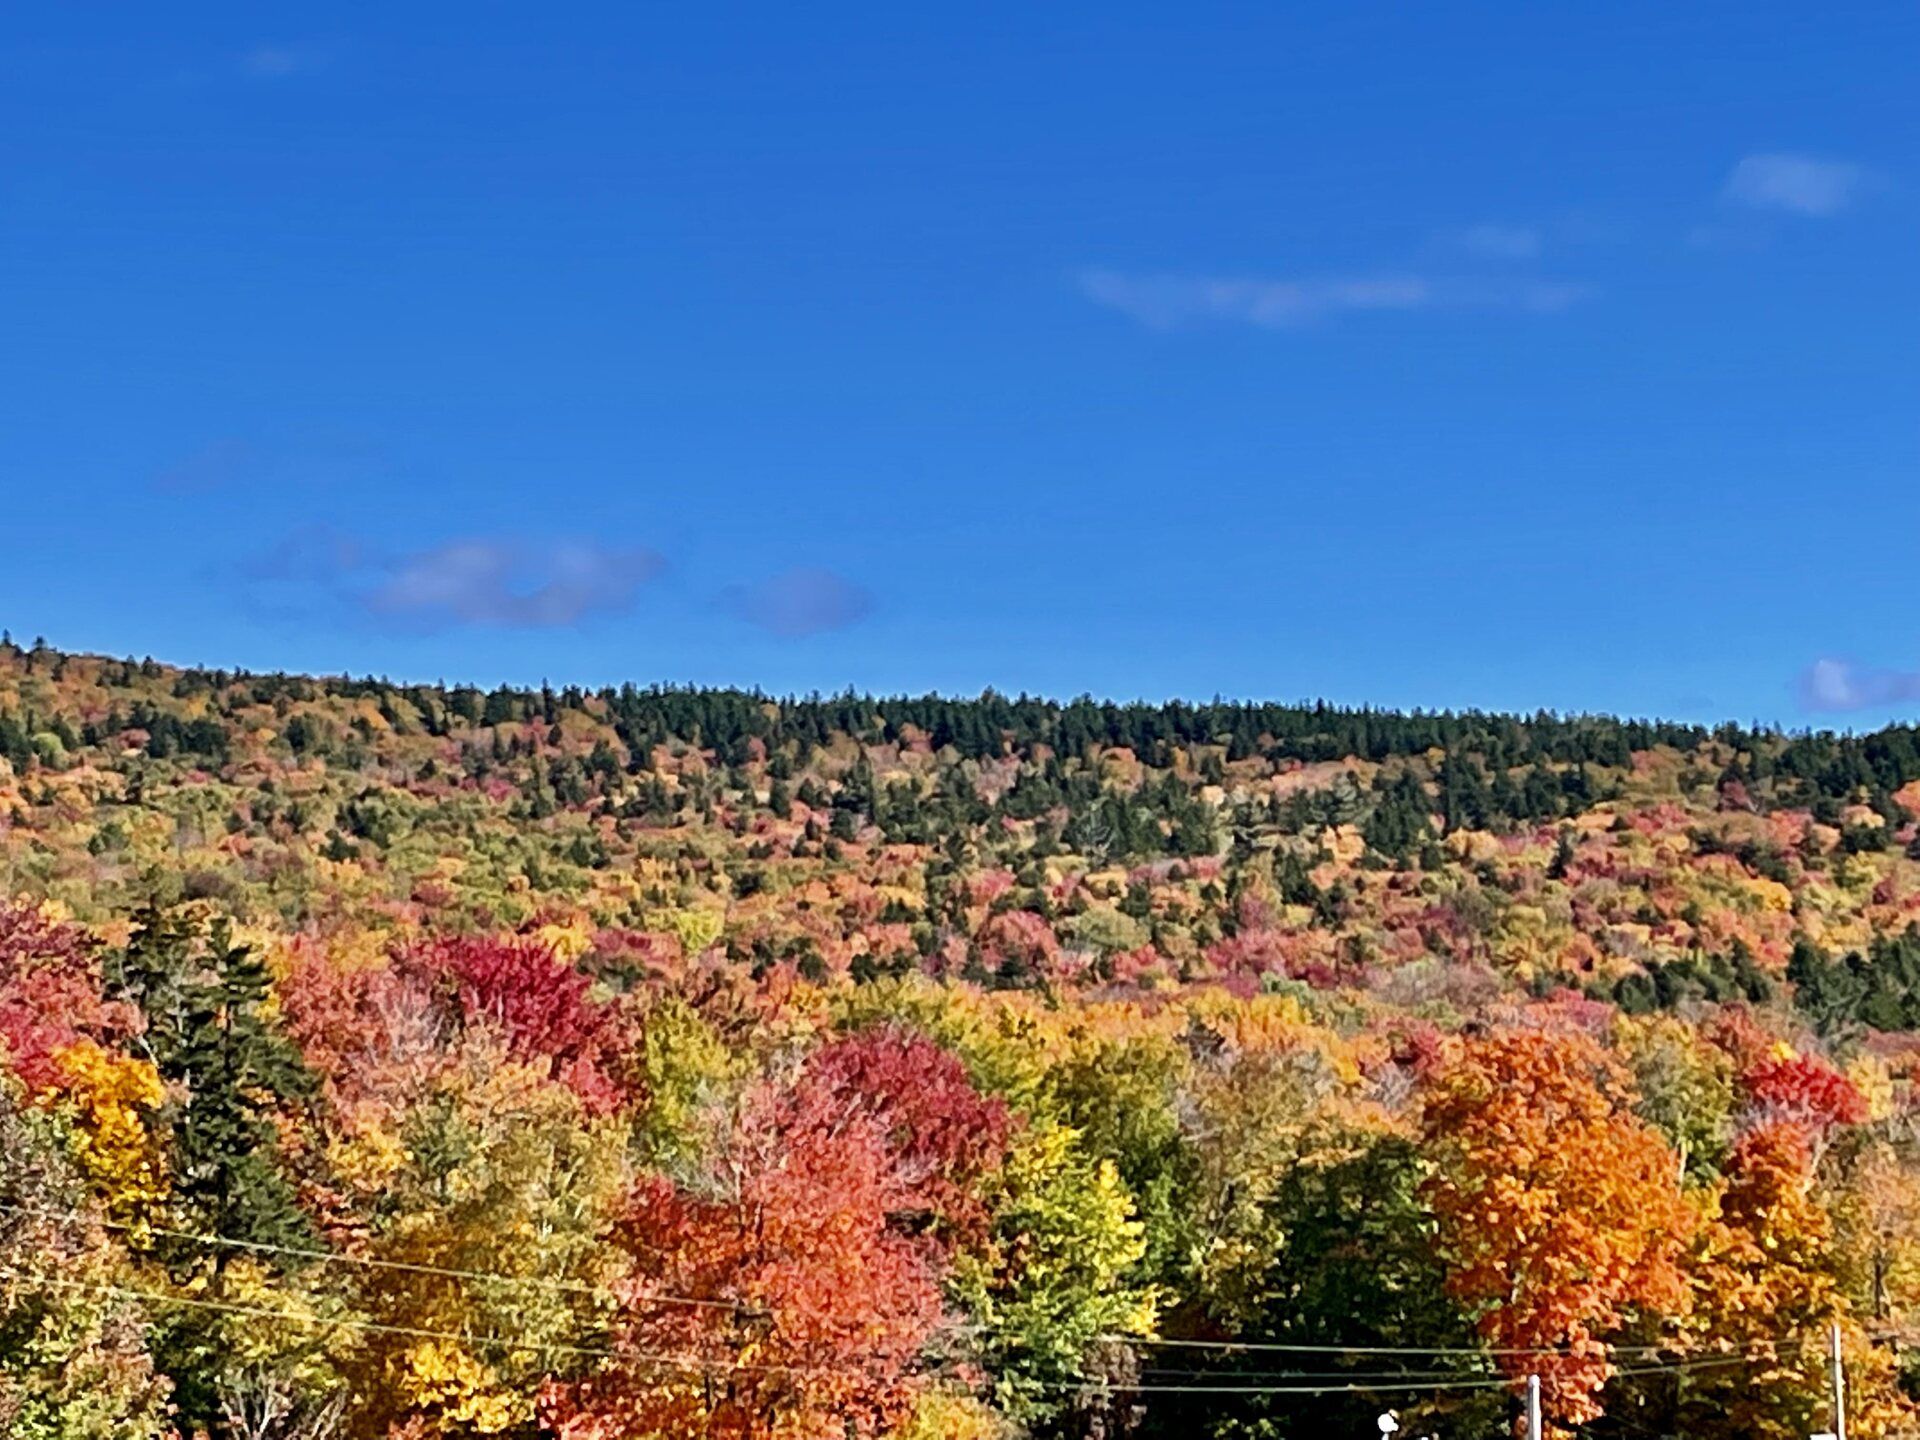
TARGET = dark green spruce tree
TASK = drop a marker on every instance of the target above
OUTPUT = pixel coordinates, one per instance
(228, 1070)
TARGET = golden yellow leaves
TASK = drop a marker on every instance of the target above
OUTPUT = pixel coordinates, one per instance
(113, 1097)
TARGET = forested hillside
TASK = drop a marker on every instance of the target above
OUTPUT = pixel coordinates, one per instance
(410, 1061)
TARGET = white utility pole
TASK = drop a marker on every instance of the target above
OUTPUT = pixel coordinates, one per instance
(1839, 1373)
(1533, 1408)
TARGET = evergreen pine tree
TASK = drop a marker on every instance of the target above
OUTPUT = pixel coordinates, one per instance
(207, 1032)
(227, 1070)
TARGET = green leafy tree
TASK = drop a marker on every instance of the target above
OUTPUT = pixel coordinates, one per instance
(74, 1363)
(1123, 1098)
(1356, 1264)
(1056, 1275)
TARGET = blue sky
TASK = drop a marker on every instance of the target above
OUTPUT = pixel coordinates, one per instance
(1466, 354)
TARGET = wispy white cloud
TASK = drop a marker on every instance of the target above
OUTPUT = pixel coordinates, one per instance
(1838, 685)
(800, 602)
(1491, 241)
(1798, 184)
(501, 583)
(276, 62)
(479, 582)
(1169, 301)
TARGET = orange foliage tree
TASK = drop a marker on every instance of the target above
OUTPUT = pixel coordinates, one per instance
(1558, 1210)
(816, 1306)
(1765, 1285)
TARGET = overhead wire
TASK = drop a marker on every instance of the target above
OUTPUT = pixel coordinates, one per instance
(261, 1312)
(412, 1332)
(1388, 1385)
(1273, 1347)
(1156, 1372)
(336, 1257)
(1434, 1380)
(1437, 1371)
(1358, 1385)
(1751, 1351)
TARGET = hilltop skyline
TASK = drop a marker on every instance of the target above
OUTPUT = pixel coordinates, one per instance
(1011, 1064)
(1484, 358)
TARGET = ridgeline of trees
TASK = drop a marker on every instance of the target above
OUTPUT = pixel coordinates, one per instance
(387, 1062)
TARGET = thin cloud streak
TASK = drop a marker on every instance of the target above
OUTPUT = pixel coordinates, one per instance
(277, 62)
(1836, 685)
(495, 583)
(475, 582)
(800, 602)
(1499, 242)
(1166, 302)
(1805, 185)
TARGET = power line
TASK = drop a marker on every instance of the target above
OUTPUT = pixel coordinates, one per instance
(1358, 1385)
(1748, 1351)
(412, 1332)
(1257, 1346)
(260, 1312)
(333, 1257)
(1162, 1372)
(1428, 1379)
(1122, 1387)
(1365, 1385)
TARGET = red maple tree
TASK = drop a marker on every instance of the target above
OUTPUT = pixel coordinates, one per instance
(815, 1307)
